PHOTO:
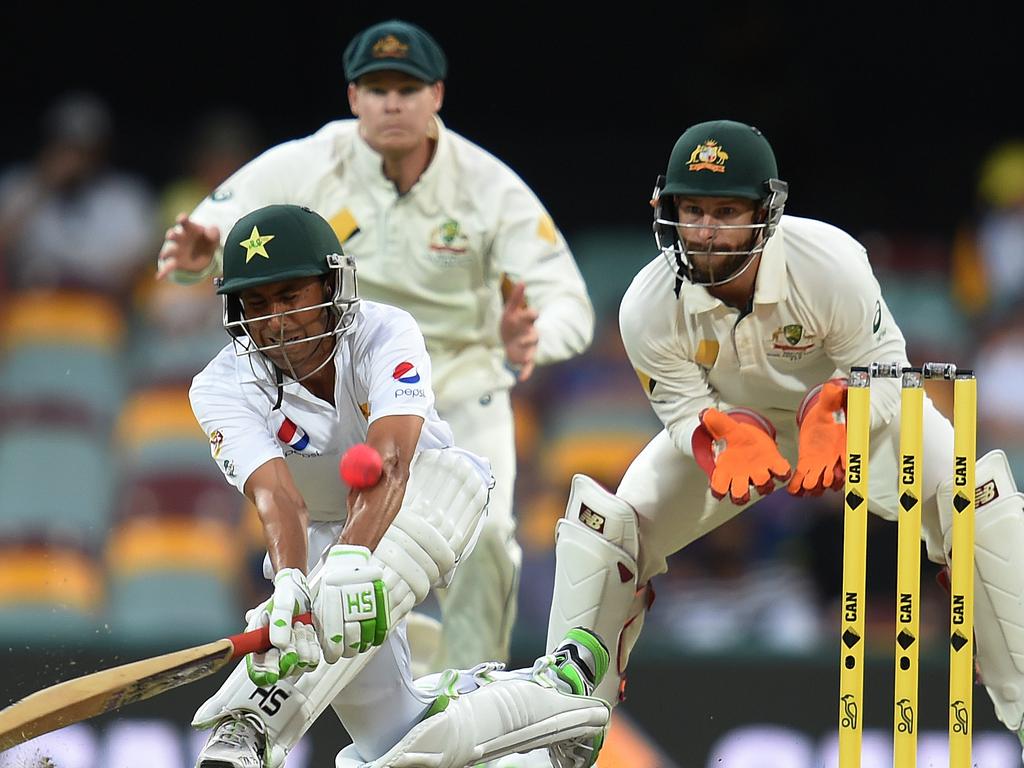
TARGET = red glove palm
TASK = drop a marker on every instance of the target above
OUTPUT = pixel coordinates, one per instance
(743, 454)
(822, 455)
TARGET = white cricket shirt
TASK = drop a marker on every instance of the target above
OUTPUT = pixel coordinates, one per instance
(818, 310)
(382, 369)
(439, 251)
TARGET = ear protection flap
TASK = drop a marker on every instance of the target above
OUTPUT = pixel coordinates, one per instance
(664, 234)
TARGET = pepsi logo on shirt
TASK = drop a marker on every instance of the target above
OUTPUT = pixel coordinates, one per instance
(293, 435)
(406, 373)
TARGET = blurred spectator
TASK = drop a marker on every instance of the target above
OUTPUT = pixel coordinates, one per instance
(67, 219)
(221, 142)
(989, 251)
(999, 366)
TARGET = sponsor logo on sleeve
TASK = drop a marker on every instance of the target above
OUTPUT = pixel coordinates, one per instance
(406, 373)
(876, 322)
(219, 195)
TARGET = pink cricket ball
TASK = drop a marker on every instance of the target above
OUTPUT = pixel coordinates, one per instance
(360, 467)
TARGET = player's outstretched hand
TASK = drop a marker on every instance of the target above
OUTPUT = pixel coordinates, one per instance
(518, 332)
(351, 609)
(743, 453)
(821, 462)
(296, 649)
(188, 246)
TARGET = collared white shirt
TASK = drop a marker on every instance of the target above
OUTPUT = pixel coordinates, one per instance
(817, 311)
(381, 369)
(440, 250)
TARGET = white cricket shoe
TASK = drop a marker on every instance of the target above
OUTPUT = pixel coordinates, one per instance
(238, 741)
(546, 708)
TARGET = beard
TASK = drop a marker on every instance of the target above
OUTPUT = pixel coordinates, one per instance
(706, 268)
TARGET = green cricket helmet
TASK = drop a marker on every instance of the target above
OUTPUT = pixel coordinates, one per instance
(278, 243)
(720, 158)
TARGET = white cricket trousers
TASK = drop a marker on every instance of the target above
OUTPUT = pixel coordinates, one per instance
(478, 608)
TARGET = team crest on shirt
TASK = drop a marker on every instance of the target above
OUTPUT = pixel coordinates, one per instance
(448, 243)
(709, 156)
(790, 342)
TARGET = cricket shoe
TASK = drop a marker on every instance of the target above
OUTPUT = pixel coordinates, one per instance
(238, 741)
(575, 667)
(546, 707)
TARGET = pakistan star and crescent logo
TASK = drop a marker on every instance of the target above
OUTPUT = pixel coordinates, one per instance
(708, 156)
(256, 245)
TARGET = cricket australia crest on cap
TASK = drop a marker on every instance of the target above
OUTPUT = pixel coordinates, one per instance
(390, 47)
(708, 156)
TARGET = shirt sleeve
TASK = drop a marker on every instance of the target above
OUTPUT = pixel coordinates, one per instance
(240, 438)
(268, 178)
(676, 386)
(861, 331)
(529, 248)
(395, 366)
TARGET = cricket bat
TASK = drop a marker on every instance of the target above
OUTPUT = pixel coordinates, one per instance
(110, 689)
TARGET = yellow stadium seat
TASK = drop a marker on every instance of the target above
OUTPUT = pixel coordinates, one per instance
(144, 544)
(62, 318)
(159, 414)
(50, 575)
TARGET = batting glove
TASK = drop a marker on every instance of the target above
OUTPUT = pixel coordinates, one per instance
(351, 609)
(295, 648)
(822, 458)
(737, 450)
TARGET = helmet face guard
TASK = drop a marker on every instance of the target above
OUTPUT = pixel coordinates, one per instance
(341, 309)
(681, 258)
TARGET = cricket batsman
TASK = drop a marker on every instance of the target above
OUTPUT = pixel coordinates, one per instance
(310, 372)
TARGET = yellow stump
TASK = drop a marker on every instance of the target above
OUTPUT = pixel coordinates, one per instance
(908, 572)
(961, 624)
(851, 661)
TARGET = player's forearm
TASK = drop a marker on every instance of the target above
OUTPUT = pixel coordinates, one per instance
(371, 510)
(565, 329)
(284, 522)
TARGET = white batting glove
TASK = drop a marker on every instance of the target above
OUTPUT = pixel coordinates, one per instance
(296, 649)
(351, 610)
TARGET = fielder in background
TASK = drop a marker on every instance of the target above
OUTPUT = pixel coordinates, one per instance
(437, 226)
(310, 372)
(743, 331)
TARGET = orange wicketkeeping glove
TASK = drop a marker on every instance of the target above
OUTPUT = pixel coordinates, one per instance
(737, 450)
(822, 455)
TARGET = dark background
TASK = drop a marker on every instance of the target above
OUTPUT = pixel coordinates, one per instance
(879, 116)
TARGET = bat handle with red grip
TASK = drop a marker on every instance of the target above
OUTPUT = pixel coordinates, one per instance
(258, 640)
